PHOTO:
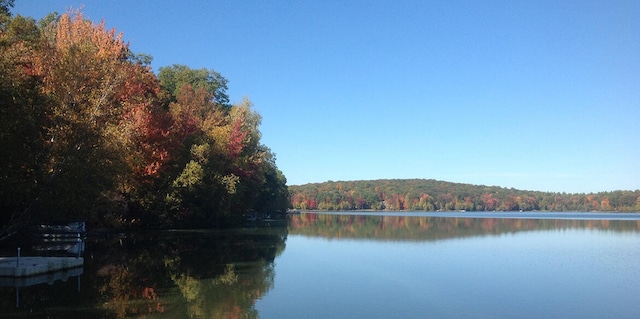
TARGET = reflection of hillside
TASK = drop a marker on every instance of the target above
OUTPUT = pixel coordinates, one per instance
(413, 228)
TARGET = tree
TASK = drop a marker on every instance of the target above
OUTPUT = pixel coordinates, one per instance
(226, 171)
(84, 69)
(175, 76)
(24, 112)
(89, 132)
(5, 6)
(274, 196)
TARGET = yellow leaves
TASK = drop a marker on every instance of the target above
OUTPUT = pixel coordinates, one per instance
(229, 182)
(189, 286)
(84, 69)
(236, 133)
(200, 152)
(228, 278)
(191, 176)
(219, 134)
(73, 30)
(83, 65)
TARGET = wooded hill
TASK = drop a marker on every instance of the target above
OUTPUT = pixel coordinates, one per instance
(433, 195)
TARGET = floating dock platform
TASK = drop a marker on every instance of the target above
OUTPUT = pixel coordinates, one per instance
(48, 278)
(18, 267)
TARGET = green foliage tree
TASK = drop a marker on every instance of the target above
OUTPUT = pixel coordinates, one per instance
(175, 76)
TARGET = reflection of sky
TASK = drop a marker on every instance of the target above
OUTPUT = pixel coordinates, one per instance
(539, 274)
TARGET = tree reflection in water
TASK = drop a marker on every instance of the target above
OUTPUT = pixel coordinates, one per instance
(390, 227)
(163, 274)
(221, 274)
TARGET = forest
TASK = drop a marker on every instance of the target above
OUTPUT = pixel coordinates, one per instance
(90, 132)
(433, 195)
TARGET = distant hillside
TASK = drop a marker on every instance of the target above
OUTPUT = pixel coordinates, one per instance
(433, 195)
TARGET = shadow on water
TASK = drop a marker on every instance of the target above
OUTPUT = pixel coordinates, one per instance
(159, 274)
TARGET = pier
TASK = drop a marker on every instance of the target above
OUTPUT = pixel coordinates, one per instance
(17, 267)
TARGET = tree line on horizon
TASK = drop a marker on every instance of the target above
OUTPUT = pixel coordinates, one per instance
(433, 195)
(90, 132)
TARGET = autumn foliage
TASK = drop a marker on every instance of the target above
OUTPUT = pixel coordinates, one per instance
(90, 132)
(433, 195)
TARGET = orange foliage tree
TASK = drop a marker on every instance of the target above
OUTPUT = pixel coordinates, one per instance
(101, 100)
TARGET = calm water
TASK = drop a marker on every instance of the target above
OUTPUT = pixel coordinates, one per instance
(355, 266)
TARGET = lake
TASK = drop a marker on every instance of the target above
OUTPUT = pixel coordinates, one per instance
(348, 265)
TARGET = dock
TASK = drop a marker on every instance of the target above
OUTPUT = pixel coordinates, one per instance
(19, 267)
(48, 278)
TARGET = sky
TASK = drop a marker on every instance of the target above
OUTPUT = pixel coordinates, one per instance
(533, 95)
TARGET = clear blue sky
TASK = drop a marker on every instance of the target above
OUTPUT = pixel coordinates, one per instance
(535, 95)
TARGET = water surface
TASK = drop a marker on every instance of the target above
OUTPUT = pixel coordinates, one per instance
(346, 265)
(416, 266)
